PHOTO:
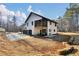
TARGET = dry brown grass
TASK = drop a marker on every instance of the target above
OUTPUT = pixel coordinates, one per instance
(29, 46)
(68, 33)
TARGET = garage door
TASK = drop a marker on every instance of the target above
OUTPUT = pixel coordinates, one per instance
(28, 32)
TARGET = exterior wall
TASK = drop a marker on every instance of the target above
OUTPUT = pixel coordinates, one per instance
(30, 26)
(52, 27)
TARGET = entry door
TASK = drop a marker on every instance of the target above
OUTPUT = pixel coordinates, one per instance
(30, 32)
(43, 32)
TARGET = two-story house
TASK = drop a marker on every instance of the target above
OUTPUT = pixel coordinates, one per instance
(36, 24)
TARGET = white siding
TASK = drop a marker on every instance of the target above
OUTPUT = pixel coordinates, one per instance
(52, 27)
(30, 26)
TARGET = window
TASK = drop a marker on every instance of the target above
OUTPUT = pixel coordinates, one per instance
(32, 22)
(49, 30)
(49, 34)
(27, 24)
(50, 22)
(54, 30)
(55, 24)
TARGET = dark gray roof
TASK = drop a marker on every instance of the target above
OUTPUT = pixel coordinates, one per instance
(40, 16)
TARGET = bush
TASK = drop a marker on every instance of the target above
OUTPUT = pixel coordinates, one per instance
(69, 51)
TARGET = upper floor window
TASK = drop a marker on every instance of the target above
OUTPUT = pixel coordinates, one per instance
(54, 30)
(50, 22)
(27, 24)
(55, 24)
(49, 30)
(32, 22)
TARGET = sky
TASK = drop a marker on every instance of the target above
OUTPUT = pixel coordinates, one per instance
(22, 10)
(50, 10)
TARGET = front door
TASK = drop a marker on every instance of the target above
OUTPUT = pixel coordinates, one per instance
(43, 32)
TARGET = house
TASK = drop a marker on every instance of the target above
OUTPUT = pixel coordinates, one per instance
(36, 24)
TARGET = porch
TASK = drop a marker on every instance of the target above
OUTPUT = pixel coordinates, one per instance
(41, 27)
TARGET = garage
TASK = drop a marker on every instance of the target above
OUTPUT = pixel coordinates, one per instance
(28, 32)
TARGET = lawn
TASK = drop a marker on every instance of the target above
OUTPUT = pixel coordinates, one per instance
(30, 46)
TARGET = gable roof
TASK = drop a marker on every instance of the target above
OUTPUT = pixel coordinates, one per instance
(40, 16)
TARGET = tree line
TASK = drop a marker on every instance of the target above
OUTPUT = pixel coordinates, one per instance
(70, 21)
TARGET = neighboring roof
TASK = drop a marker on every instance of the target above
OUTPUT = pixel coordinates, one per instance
(40, 16)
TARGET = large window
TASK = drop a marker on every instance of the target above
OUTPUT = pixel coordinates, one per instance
(41, 23)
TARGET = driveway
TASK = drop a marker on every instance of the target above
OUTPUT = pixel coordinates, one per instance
(15, 36)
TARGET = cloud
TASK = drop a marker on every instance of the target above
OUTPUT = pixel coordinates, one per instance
(11, 13)
(24, 15)
(4, 11)
(6, 14)
(29, 9)
(21, 17)
(39, 12)
(18, 13)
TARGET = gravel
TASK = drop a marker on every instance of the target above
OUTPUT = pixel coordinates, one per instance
(14, 36)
